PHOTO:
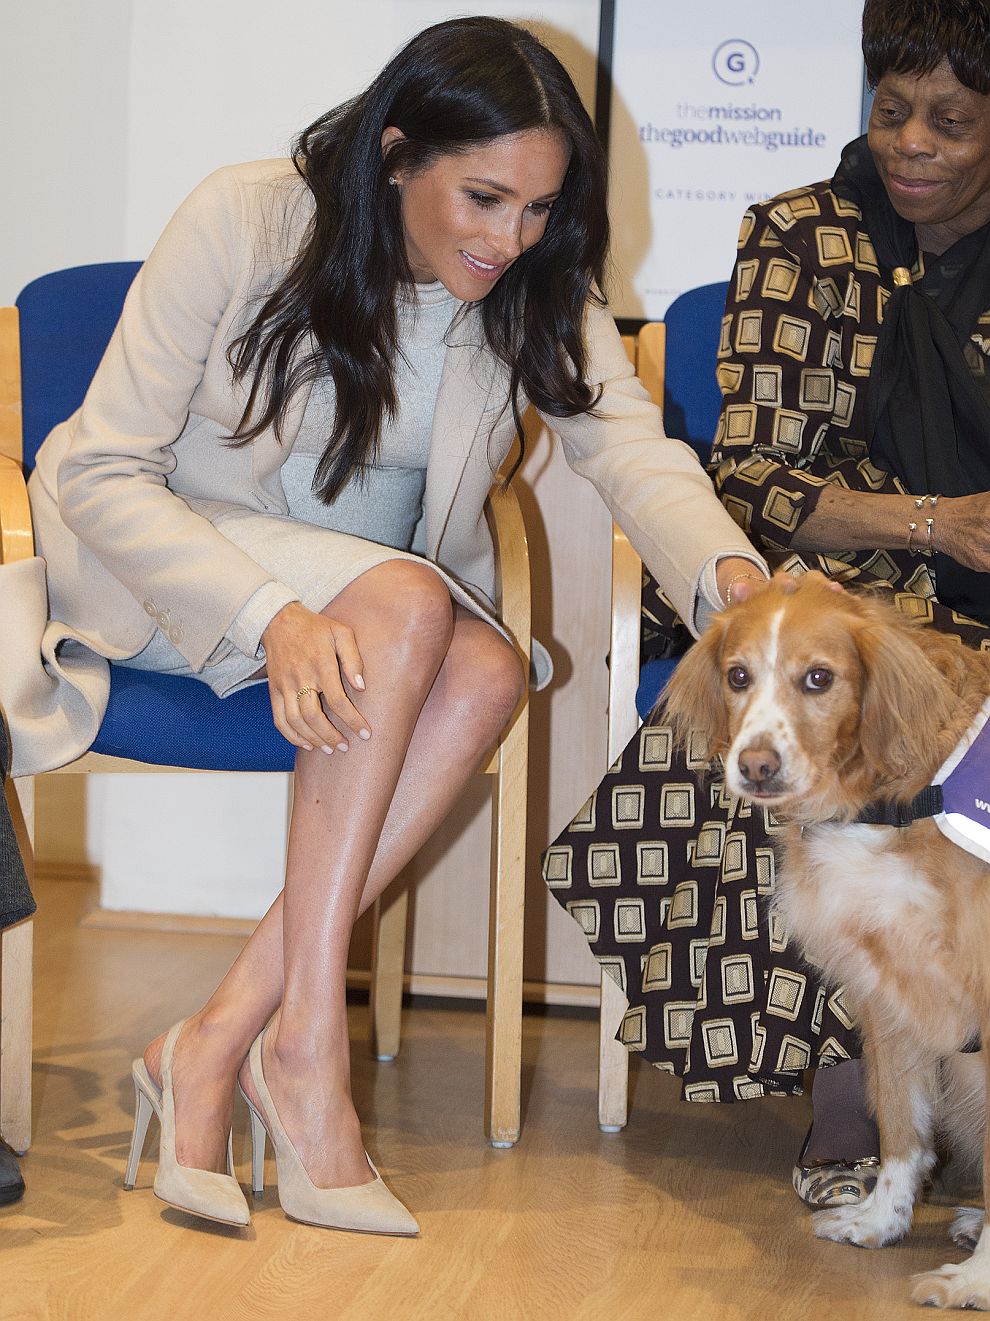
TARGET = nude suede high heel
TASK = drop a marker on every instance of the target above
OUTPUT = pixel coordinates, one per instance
(368, 1208)
(201, 1192)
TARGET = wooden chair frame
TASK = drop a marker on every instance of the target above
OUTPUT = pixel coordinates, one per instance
(646, 352)
(508, 768)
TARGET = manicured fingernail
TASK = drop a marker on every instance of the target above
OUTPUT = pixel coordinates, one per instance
(308, 747)
(365, 733)
(359, 681)
(328, 750)
(342, 747)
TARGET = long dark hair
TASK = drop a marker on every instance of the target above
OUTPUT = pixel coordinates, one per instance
(455, 86)
(914, 36)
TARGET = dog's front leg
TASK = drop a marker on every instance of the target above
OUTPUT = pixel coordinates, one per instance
(968, 1283)
(902, 1096)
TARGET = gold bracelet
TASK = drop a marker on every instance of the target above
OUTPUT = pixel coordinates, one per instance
(919, 503)
(738, 578)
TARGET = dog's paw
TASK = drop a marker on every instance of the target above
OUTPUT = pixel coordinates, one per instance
(967, 1226)
(874, 1223)
(965, 1285)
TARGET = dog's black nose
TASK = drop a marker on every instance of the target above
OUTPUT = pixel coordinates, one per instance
(758, 765)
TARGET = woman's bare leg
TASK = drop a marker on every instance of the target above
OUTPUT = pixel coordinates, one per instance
(478, 684)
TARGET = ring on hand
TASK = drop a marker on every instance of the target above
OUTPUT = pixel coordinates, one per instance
(303, 691)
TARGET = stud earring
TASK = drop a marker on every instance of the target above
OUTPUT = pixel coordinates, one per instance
(393, 181)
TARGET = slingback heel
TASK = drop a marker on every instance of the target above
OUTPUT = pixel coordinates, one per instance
(201, 1192)
(367, 1208)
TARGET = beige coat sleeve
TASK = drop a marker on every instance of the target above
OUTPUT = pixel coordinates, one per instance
(654, 486)
(112, 488)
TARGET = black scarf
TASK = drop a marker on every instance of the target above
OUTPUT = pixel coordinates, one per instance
(928, 421)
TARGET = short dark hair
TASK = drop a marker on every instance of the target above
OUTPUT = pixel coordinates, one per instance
(915, 36)
(455, 86)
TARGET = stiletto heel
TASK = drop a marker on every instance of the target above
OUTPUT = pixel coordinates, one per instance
(201, 1192)
(368, 1208)
(143, 1110)
(259, 1136)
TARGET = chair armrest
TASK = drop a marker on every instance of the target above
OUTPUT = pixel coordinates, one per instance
(624, 643)
(651, 344)
(10, 384)
(646, 353)
(16, 535)
(512, 585)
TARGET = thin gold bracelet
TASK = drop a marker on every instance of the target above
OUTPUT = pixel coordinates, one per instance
(738, 578)
(919, 503)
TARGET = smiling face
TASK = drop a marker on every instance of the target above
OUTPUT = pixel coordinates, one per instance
(930, 138)
(469, 215)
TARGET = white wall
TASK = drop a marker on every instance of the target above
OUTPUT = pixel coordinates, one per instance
(63, 105)
(119, 108)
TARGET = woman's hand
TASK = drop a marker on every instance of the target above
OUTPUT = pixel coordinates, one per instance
(960, 529)
(737, 579)
(309, 659)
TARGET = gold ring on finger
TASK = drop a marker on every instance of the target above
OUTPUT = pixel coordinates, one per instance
(303, 691)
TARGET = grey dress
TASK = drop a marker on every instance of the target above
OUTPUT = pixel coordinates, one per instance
(315, 551)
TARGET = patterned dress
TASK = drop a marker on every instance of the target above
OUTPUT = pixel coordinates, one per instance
(667, 874)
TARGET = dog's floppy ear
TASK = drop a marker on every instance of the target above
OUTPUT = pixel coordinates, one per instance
(905, 698)
(692, 700)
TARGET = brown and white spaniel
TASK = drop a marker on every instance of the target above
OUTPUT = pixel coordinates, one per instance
(821, 703)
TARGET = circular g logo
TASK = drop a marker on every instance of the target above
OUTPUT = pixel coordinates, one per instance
(736, 62)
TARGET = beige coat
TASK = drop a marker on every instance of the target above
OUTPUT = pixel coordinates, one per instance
(123, 489)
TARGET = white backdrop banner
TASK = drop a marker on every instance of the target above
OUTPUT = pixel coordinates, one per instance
(712, 109)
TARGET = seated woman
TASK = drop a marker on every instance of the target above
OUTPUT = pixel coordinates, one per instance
(278, 475)
(854, 365)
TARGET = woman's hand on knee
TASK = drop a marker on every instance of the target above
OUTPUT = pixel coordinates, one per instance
(310, 658)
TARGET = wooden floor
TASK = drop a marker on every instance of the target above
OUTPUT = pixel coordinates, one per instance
(686, 1214)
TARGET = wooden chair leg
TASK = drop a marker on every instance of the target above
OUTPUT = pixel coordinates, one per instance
(613, 1060)
(388, 952)
(503, 1059)
(623, 721)
(16, 949)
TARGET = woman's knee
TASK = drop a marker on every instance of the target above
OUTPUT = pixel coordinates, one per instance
(489, 681)
(411, 607)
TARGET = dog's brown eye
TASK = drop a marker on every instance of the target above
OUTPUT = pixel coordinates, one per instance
(818, 679)
(738, 677)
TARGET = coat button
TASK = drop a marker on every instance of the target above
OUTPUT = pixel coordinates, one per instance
(175, 635)
(162, 618)
(150, 608)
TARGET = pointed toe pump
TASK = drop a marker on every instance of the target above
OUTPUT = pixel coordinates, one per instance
(367, 1208)
(200, 1192)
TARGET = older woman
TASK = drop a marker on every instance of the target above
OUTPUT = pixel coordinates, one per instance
(854, 437)
(278, 475)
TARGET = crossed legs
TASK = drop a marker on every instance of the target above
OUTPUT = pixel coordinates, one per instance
(440, 686)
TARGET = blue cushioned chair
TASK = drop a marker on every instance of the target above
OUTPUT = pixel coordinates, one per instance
(63, 322)
(67, 318)
(691, 402)
(675, 360)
